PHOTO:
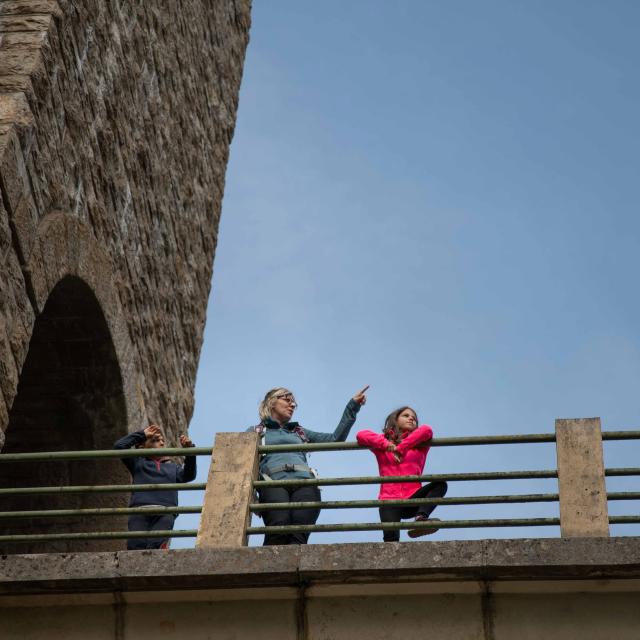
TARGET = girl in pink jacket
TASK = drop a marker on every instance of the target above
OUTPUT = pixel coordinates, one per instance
(398, 452)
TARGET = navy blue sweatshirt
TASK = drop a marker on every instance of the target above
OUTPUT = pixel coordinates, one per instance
(154, 471)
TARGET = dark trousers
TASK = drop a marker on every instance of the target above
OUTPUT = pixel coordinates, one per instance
(151, 522)
(395, 514)
(289, 516)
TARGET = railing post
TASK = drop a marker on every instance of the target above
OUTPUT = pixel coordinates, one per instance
(581, 481)
(225, 511)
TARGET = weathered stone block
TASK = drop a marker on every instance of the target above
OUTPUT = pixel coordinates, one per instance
(19, 7)
(15, 82)
(19, 61)
(8, 370)
(13, 173)
(4, 419)
(15, 110)
(20, 316)
(25, 224)
(17, 22)
(29, 41)
(5, 232)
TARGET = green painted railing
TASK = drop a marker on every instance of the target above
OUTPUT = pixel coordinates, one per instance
(441, 524)
(338, 504)
(102, 488)
(327, 504)
(317, 528)
(100, 535)
(42, 456)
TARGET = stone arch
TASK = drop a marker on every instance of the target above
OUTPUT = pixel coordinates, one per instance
(65, 246)
(77, 388)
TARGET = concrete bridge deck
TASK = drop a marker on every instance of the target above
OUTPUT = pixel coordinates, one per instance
(485, 590)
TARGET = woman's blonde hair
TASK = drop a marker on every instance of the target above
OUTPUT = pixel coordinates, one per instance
(264, 408)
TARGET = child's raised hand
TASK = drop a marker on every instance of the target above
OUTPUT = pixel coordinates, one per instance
(151, 431)
(185, 441)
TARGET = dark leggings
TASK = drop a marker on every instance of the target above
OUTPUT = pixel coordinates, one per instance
(151, 522)
(395, 514)
(289, 516)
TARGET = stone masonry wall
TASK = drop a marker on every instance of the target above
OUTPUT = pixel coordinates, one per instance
(115, 123)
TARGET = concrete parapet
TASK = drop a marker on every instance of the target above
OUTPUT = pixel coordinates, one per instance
(225, 511)
(558, 589)
(295, 566)
(581, 480)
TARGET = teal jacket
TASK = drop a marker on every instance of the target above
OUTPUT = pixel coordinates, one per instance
(272, 464)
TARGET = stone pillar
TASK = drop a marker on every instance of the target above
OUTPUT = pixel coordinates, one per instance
(581, 481)
(225, 511)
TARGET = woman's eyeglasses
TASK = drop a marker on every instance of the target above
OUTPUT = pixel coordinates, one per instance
(288, 398)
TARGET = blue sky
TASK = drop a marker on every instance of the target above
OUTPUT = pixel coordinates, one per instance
(439, 199)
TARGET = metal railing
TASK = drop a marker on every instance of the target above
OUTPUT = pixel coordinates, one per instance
(257, 507)
(441, 524)
(377, 526)
(55, 456)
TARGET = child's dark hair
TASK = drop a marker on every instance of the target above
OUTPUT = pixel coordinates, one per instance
(390, 429)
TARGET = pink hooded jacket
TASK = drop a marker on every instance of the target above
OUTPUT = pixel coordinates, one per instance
(412, 459)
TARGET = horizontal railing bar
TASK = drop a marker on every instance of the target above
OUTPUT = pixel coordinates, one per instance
(106, 488)
(624, 519)
(624, 495)
(358, 504)
(622, 471)
(108, 453)
(104, 535)
(101, 511)
(447, 477)
(529, 438)
(464, 500)
(201, 486)
(621, 435)
(373, 526)
(395, 526)
(338, 504)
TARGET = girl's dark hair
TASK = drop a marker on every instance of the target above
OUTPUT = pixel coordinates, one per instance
(390, 429)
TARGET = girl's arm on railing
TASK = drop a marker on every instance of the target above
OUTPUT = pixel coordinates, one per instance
(416, 437)
(372, 440)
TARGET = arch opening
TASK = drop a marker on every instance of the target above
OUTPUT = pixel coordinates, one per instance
(70, 397)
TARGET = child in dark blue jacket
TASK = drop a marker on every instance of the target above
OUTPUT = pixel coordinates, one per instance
(154, 470)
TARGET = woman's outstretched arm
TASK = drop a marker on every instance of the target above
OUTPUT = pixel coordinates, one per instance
(342, 430)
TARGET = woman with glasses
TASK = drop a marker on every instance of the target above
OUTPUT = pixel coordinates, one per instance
(276, 427)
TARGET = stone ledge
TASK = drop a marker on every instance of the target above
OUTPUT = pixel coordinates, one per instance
(476, 560)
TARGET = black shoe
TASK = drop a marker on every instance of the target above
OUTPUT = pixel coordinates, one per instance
(416, 533)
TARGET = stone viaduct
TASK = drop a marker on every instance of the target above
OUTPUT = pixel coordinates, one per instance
(115, 123)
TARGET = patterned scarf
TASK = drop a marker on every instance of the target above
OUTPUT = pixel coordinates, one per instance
(260, 429)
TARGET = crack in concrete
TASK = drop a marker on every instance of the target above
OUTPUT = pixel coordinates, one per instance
(487, 605)
(119, 607)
